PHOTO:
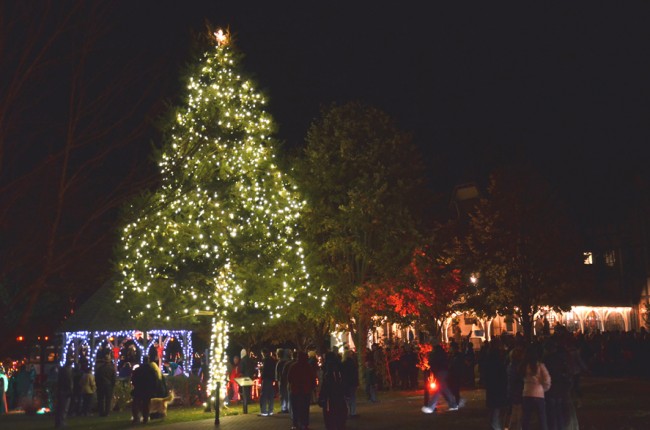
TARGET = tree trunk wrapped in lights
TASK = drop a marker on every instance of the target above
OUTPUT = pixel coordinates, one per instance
(219, 236)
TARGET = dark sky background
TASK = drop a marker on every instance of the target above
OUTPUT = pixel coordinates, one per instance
(565, 87)
(481, 84)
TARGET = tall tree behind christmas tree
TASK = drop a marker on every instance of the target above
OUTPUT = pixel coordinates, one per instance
(220, 236)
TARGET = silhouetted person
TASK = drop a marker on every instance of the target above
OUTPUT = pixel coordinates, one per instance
(302, 380)
(332, 393)
(143, 380)
(63, 394)
(105, 378)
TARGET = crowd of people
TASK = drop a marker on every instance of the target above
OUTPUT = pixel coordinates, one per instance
(73, 388)
(298, 379)
(76, 386)
(542, 377)
(524, 381)
(521, 379)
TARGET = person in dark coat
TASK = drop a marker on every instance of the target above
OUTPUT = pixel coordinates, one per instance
(370, 377)
(247, 369)
(267, 394)
(350, 374)
(302, 380)
(283, 359)
(144, 382)
(76, 399)
(558, 398)
(105, 378)
(456, 370)
(439, 365)
(63, 393)
(332, 393)
(284, 377)
(515, 386)
(496, 383)
(470, 363)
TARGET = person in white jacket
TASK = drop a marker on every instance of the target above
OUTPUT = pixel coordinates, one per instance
(536, 382)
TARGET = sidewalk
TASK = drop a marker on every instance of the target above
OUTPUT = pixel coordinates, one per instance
(395, 411)
(400, 410)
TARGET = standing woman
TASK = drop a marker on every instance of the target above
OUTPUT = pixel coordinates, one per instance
(536, 382)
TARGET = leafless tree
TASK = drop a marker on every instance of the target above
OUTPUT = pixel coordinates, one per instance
(75, 122)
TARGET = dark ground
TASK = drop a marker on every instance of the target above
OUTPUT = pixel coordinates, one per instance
(607, 404)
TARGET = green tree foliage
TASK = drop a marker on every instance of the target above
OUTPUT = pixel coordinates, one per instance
(220, 235)
(363, 181)
(522, 246)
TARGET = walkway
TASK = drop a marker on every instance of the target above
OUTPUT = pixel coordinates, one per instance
(399, 410)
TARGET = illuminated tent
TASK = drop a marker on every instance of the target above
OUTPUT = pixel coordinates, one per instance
(100, 323)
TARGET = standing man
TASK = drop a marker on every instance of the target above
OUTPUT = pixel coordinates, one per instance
(302, 380)
(496, 383)
(63, 393)
(268, 378)
(247, 368)
(105, 379)
(350, 375)
(144, 380)
(292, 356)
(283, 359)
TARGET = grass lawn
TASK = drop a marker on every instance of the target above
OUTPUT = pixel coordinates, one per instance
(607, 404)
(116, 420)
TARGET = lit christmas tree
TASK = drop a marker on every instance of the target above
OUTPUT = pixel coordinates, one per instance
(220, 236)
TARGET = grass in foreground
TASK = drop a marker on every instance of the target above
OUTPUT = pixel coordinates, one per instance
(116, 420)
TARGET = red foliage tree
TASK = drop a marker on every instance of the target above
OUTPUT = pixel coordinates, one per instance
(426, 292)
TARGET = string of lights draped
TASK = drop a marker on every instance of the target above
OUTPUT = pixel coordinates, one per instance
(220, 236)
(72, 341)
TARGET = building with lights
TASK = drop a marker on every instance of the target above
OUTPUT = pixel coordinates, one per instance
(615, 275)
(615, 279)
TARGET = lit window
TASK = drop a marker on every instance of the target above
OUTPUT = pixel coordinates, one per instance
(589, 258)
(610, 258)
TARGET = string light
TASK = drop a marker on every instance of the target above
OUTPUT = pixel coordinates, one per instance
(73, 340)
(220, 236)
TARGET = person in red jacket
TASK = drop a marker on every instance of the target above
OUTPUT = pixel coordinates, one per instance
(302, 381)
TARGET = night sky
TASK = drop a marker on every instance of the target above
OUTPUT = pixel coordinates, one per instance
(482, 84)
(479, 84)
(564, 87)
